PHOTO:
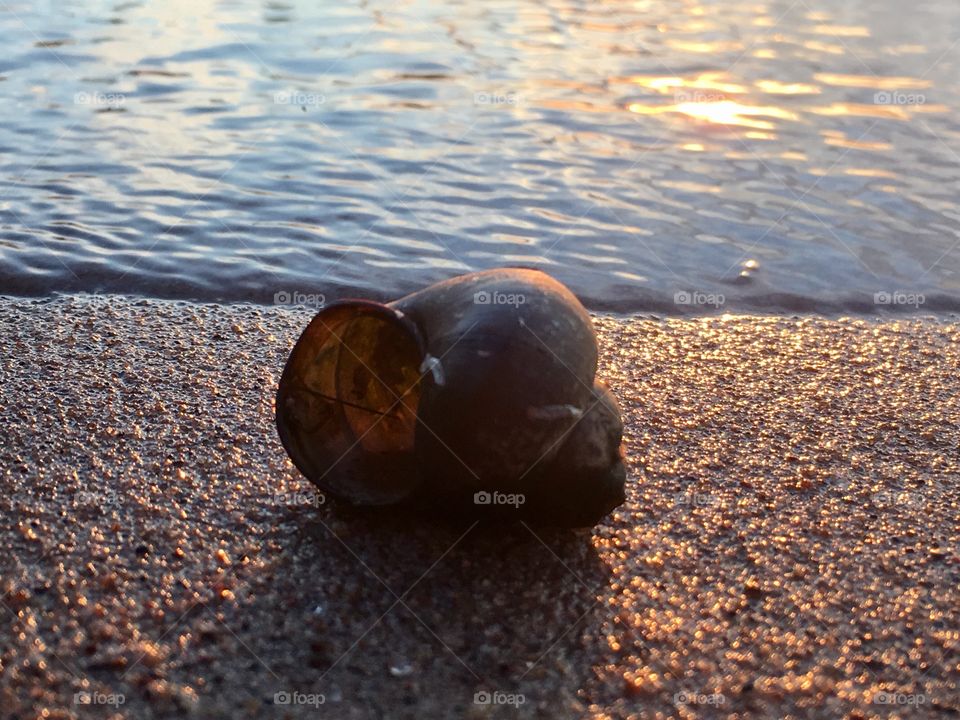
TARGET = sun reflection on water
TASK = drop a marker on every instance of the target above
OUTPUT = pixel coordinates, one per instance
(723, 112)
(758, 108)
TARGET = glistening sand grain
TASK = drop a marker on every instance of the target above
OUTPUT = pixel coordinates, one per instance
(789, 546)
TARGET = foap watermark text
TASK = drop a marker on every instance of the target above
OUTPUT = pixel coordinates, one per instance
(899, 698)
(298, 698)
(298, 98)
(496, 98)
(685, 697)
(100, 99)
(98, 698)
(898, 498)
(287, 499)
(896, 97)
(498, 697)
(682, 97)
(498, 498)
(295, 298)
(695, 297)
(694, 499)
(899, 297)
(493, 297)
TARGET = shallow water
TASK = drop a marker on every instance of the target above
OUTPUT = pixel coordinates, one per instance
(654, 155)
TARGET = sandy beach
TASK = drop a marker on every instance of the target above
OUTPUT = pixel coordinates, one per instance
(788, 547)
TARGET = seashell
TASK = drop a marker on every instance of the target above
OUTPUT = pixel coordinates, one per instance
(473, 396)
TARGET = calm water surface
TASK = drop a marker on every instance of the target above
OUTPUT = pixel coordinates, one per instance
(653, 154)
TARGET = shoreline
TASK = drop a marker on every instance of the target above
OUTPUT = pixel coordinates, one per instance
(789, 543)
(772, 305)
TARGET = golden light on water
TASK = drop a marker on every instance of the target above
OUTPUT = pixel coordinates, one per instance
(759, 135)
(838, 139)
(870, 172)
(757, 107)
(724, 112)
(715, 81)
(872, 82)
(729, 112)
(893, 112)
(823, 47)
(850, 31)
(775, 87)
(715, 46)
(757, 117)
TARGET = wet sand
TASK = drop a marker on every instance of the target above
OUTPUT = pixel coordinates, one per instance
(789, 546)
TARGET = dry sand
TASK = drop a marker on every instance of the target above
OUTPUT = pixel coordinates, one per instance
(789, 547)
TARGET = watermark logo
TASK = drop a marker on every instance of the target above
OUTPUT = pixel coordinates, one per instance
(694, 698)
(897, 498)
(98, 698)
(496, 98)
(895, 97)
(681, 97)
(99, 99)
(498, 498)
(316, 499)
(486, 297)
(103, 498)
(696, 499)
(897, 698)
(899, 297)
(299, 698)
(695, 297)
(299, 299)
(298, 97)
(498, 697)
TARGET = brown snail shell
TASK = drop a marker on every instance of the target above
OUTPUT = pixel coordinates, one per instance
(475, 395)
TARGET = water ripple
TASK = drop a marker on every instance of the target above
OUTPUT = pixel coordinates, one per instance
(772, 155)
